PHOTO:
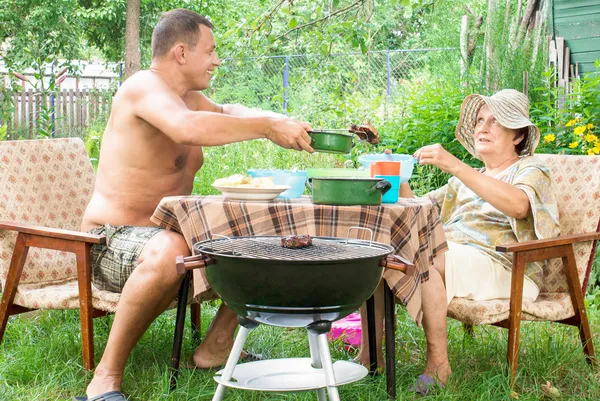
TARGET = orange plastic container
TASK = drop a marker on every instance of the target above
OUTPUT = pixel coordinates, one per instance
(384, 168)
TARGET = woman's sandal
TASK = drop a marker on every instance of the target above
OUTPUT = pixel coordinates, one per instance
(426, 385)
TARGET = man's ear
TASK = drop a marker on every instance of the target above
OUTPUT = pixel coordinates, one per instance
(179, 53)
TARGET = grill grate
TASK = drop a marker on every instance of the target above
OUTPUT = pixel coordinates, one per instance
(322, 249)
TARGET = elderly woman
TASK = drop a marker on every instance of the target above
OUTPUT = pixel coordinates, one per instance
(508, 200)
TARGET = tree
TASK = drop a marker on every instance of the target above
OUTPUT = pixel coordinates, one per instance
(132, 38)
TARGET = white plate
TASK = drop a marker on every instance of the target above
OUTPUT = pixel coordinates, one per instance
(289, 374)
(245, 192)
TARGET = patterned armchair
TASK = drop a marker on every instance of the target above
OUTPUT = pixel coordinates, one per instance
(576, 181)
(44, 258)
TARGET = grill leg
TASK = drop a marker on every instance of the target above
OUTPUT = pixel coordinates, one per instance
(234, 355)
(332, 389)
(316, 361)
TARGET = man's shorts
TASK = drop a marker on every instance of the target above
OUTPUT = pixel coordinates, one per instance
(472, 274)
(113, 262)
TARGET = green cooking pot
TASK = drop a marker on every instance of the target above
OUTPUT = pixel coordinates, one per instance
(346, 191)
(331, 142)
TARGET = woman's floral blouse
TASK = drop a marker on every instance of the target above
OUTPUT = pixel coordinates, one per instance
(468, 219)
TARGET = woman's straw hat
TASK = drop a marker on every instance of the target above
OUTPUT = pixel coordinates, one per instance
(511, 109)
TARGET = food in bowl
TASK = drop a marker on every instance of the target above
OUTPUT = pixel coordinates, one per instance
(296, 241)
(239, 180)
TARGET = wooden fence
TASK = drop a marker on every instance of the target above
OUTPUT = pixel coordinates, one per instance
(72, 110)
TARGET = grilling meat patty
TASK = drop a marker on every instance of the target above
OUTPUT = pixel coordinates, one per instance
(365, 132)
(296, 241)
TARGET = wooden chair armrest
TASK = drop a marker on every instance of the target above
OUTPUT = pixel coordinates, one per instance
(548, 243)
(53, 232)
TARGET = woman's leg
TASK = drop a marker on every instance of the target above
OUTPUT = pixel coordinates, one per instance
(435, 307)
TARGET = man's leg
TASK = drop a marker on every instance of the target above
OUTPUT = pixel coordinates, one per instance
(215, 348)
(435, 306)
(146, 294)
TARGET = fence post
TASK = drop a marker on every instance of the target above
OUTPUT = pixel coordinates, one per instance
(286, 75)
(389, 75)
(52, 104)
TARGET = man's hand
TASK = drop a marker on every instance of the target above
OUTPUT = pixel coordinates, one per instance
(437, 156)
(290, 134)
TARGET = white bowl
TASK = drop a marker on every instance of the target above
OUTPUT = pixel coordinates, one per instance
(244, 192)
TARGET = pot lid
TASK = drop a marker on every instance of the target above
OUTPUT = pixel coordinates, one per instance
(323, 249)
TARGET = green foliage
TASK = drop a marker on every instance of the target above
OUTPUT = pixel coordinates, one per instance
(2, 132)
(569, 123)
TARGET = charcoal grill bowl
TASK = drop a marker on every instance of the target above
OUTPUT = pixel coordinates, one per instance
(294, 293)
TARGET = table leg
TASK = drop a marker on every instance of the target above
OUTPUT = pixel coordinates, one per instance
(390, 341)
(179, 325)
(371, 335)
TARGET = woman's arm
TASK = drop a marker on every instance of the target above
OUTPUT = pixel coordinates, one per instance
(503, 196)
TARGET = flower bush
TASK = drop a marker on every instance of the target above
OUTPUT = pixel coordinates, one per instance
(571, 128)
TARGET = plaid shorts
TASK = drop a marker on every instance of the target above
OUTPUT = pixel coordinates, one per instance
(113, 262)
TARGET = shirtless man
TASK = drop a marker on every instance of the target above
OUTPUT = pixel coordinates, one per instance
(152, 148)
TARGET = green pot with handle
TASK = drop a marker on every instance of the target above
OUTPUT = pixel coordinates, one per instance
(346, 191)
(331, 142)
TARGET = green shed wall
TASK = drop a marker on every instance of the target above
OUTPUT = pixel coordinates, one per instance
(578, 21)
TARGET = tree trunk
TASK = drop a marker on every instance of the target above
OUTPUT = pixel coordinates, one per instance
(132, 38)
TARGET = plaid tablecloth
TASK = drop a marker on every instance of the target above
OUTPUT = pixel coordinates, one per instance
(411, 226)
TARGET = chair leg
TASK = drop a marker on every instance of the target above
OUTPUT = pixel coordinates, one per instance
(86, 312)
(390, 341)
(195, 312)
(12, 281)
(179, 325)
(514, 317)
(469, 331)
(580, 317)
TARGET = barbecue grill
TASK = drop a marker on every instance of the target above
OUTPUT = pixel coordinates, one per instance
(310, 287)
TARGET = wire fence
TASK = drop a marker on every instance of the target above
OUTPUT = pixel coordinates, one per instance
(321, 89)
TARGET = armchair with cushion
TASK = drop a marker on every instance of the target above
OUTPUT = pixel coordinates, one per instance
(44, 258)
(576, 183)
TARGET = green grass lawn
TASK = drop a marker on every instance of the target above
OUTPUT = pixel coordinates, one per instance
(40, 359)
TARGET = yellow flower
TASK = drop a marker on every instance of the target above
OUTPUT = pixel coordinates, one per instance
(590, 127)
(549, 138)
(579, 130)
(590, 152)
(573, 145)
(591, 138)
(570, 123)
(596, 148)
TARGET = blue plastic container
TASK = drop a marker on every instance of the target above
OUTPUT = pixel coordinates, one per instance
(295, 179)
(407, 163)
(391, 196)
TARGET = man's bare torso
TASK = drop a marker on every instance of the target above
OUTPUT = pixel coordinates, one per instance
(139, 165)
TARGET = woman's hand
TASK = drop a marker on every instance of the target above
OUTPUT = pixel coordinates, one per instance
(437, 156)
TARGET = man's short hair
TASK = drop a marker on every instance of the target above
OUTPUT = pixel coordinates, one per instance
(179, 25)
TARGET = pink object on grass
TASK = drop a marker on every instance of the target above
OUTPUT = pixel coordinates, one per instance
(347, 329)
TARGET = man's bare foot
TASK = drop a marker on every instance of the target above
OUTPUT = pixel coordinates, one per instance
(439, 373)
(103, 382)
(216, 355)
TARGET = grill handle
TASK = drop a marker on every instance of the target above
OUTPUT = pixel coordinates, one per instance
(397, 262)
(192, 262)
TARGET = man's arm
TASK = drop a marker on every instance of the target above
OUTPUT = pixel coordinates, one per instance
(238, 110)
(163, 109)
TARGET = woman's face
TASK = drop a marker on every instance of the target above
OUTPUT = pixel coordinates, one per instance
(491, 138)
